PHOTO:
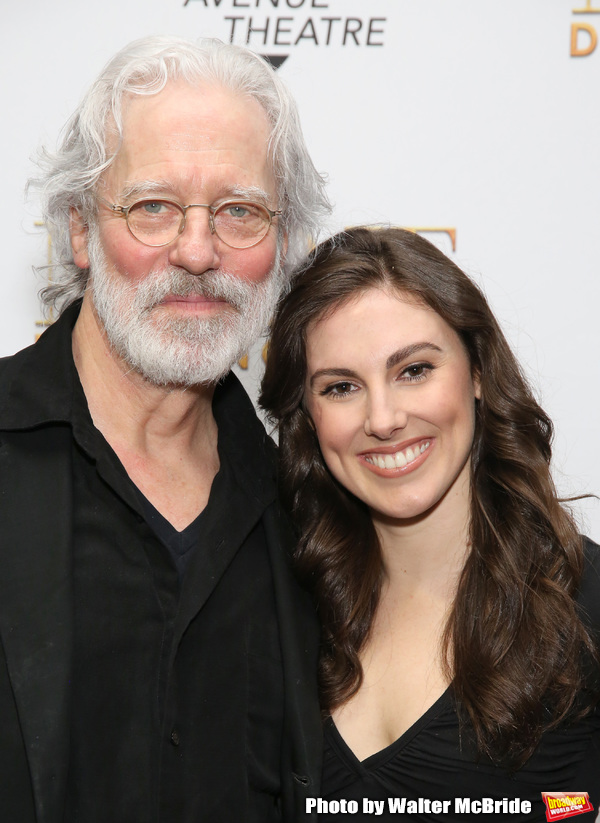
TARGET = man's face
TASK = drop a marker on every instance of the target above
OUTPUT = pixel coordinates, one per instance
(183, 313)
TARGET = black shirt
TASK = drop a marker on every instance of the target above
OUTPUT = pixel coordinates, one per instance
(177, 686)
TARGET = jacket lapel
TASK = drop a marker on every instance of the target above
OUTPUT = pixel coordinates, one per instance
(36, 600)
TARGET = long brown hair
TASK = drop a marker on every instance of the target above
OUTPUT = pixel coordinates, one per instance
(514, 639)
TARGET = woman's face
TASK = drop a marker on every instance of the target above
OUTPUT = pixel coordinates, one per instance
(391, 395)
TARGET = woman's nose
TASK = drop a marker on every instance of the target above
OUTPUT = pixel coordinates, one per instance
(385, 415)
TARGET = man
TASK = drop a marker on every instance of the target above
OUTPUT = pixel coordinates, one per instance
(157, 659)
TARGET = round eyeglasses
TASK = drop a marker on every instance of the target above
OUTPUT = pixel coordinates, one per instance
(240, 224)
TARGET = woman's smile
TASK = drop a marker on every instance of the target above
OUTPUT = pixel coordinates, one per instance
(395, 461)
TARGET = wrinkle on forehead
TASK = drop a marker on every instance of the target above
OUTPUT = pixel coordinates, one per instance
(197, 121)
(182, 141)
(193, 132)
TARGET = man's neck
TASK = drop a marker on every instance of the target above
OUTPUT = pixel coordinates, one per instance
(166, 438)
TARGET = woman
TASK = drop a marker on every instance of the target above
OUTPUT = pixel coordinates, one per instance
(460, 608)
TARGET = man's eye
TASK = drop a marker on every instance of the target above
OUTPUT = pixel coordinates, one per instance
(237, 210)
(243, 210)
(154, 207)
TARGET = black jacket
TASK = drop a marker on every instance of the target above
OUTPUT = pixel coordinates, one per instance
(36, 608)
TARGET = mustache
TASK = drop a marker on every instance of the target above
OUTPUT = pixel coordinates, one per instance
(215, 285)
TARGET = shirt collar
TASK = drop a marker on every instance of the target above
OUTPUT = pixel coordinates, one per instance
(42, 387)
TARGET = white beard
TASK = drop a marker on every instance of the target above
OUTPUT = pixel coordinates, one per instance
(180, 351)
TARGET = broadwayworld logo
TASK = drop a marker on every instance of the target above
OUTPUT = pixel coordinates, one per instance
(566, 804)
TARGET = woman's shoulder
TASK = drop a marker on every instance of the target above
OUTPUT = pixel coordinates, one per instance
(588, 596)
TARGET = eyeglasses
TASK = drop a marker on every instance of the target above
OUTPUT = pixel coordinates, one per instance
(240, 224)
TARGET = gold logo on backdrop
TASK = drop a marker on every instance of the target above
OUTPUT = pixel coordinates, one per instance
(587, 9)
(584, 37)
(244, 361)
(49, 264)
(451, 233)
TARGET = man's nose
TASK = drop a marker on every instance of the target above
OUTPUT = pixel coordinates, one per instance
(385, 414)
(196, 249)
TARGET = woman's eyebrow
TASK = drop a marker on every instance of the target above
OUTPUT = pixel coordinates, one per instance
(408, 351)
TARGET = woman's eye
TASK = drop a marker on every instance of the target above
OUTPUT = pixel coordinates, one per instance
(342, 389)
(416, 371)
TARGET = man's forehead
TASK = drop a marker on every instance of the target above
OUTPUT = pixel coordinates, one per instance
(184, 128)
(192, 113)
(186, 140)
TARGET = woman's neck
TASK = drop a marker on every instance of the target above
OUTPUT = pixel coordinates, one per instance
(429, 550)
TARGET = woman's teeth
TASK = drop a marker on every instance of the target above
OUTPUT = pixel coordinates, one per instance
(399, 459)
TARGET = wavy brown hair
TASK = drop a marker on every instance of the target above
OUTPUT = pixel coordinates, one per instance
(514, 640)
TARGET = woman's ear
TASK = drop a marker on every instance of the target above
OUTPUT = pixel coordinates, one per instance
(78, 230)
(477, 384)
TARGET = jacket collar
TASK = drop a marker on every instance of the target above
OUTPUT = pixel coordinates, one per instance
(39, 380)
(42, 387)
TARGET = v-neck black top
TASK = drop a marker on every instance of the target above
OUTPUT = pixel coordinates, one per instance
(182, 544)
(435, 759)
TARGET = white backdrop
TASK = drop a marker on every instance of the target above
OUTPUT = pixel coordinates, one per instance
(481, 118)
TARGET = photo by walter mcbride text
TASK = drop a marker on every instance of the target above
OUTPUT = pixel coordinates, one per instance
(421, 806)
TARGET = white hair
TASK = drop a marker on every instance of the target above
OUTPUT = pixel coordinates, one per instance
(70, 175)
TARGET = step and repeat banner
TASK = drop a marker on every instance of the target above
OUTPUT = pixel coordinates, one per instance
(475, 123)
